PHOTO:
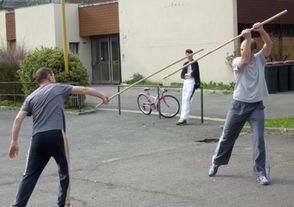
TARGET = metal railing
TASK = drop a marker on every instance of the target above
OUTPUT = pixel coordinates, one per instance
(11, 91)
(78, 100)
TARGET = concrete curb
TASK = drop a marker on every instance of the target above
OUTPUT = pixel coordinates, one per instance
(270, 130)
(206, 91)
(16, 108)
(9, 108)
(218, 92)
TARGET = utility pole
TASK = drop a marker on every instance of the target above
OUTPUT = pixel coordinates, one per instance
(65, 48)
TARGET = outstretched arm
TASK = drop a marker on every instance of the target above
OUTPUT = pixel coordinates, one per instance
(13, 149)
(89, 91)
(267, 47)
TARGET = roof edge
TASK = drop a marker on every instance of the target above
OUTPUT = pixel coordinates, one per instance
(98, 4)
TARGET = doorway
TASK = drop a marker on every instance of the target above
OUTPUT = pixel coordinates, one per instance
(106, 60)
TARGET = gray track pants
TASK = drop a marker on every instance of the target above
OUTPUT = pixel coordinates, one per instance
(239, 113)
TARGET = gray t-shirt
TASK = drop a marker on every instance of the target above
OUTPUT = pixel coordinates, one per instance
(46, 106)
(250, 81)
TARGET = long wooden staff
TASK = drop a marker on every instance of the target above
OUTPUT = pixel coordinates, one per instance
(139, 81)
(222, 45)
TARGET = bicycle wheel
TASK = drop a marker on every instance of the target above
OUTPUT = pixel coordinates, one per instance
(144, 104)
(169, 106)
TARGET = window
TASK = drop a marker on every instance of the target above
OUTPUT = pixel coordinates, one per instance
(74, 47)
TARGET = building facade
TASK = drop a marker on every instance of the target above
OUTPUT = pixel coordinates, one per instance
(99, 23)
(92, 33)
(116, 39)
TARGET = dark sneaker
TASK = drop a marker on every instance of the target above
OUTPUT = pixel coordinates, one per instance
(212, 170)
(181, 121)
(262, 180)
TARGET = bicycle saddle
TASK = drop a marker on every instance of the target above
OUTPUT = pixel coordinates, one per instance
(146, 89)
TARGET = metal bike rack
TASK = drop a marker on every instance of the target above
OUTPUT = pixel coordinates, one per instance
(158, 99)
(201, 105)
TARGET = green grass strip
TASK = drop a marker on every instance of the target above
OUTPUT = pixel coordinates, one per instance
(285, 122)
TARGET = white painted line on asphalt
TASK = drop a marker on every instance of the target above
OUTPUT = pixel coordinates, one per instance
(144, 154)
(207, 118)
(110, 160)
(156, 113)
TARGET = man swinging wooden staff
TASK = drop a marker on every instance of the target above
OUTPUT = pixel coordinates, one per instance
(247, 105)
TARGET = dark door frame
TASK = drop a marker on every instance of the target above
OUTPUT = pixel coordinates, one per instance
(94, 56)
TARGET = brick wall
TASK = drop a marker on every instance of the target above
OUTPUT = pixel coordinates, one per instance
(99, 20)
(10, 26)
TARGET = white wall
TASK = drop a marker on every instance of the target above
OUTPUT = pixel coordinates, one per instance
(41, 25)
(155, 33)
(85, 54)
(72, 23)
(35, 26)
(3, 38)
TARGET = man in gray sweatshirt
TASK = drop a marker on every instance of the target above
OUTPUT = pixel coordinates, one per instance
(46, 106)
(247, 105)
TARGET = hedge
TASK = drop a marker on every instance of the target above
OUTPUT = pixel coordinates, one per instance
(52, 58)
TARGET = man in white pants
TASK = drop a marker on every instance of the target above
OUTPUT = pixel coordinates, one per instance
(191, 78)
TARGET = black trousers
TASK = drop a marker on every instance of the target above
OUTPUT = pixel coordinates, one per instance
(45, 145)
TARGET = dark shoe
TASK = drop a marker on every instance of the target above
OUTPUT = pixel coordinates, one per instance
(181, 122)
(212, 170)
(262, 180)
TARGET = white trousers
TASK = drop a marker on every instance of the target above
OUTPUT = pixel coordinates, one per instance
(188, 89)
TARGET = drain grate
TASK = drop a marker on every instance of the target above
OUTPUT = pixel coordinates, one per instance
(208, 140)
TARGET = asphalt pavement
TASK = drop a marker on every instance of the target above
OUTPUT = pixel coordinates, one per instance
(134, 160)
(216, 103)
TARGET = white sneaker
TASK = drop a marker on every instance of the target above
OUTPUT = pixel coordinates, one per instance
(262, 180)
(213, 170)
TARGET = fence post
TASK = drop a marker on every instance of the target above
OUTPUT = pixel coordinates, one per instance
(118, 97)
(14, 94)
(202, 120)
(158, 101)
(80, 102)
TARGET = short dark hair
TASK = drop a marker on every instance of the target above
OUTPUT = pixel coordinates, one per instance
(189, 51)
(42, 74)
(253, 44)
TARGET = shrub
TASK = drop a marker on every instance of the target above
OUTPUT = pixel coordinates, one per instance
(135, 77)
(176, 85)
(9, 64)
(218, 86)
(229, 60)
(52, 58)
(8, 74)
(11, 58)
(8, 84)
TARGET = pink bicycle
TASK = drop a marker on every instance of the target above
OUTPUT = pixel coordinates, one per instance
(168, 107)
